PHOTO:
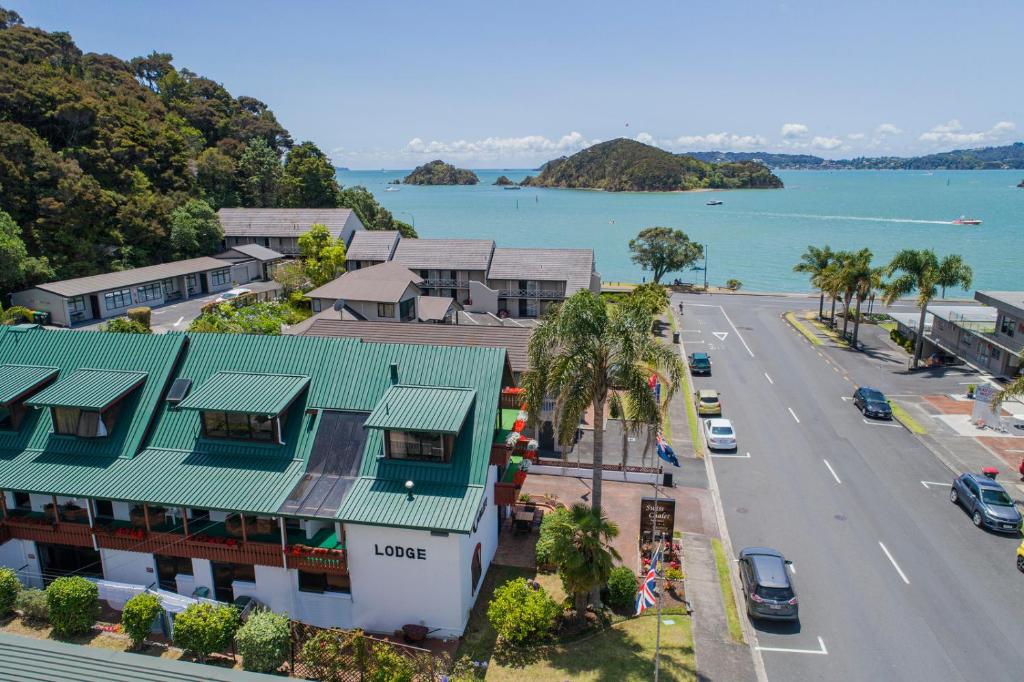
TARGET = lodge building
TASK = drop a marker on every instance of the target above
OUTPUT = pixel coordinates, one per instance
(343, 482)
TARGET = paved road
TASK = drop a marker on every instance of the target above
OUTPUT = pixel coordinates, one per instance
(894, 581)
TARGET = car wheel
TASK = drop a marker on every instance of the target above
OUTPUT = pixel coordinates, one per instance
(1020, 563)
(953, 497)
(977, 519)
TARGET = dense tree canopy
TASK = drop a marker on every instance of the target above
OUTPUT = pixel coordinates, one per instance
(195, 230)
(438, 172)
(96, 153)
(663, 250)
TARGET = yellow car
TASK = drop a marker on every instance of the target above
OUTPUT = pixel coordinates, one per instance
(1020, 557)
(708, 401)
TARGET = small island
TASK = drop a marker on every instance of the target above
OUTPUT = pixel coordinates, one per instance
(624, 165)
(440, 173)
(1021, 184)
(503, 181)
(396, 181)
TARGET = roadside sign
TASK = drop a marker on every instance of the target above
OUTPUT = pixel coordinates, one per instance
(657, 516)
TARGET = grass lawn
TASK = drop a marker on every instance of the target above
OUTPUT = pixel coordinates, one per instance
(623, 652)
(903, 417)
(691, 416)
(731, 613)
(808, 334)
(887, 326)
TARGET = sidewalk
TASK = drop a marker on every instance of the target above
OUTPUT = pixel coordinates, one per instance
(681, 441)
(717, 656)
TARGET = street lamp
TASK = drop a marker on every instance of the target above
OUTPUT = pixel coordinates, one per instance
(705, 267)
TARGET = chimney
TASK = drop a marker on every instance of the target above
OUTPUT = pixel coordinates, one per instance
(394, 373)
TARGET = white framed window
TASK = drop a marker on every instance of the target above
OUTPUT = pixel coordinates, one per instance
(121, 298)
(219, 277)
(149, 292)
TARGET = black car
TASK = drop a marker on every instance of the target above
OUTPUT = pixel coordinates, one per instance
(872, 403)
(700, 363)
(767, 586)
(987, 503)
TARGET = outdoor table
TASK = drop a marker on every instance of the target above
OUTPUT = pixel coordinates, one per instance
(524, 520)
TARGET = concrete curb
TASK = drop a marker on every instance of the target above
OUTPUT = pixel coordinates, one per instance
(723, 532)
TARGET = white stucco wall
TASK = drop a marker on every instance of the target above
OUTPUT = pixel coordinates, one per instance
(37, 299)
(21, 556)
(389, 592)
(202, 575)
(487, 536)
(136, 568)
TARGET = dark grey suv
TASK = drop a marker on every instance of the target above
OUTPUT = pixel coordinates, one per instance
(767, 586)
(986, 502)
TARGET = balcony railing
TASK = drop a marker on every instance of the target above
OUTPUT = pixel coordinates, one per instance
(443, 283)
(531, 293)
(221, 549)
(39, 529)
(505, 493)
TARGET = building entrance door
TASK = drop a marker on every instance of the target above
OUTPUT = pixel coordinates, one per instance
(94, 303)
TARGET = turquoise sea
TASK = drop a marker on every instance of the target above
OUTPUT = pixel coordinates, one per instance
(755, 236)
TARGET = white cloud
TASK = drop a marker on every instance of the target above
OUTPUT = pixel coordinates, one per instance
(887, 129)
(714, 142)
(856, 136)
(646, 138)
(794, 130)
(500, 147)
(952, 132)
(826, 142)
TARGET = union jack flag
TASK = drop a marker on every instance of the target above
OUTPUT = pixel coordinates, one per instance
(648, 596)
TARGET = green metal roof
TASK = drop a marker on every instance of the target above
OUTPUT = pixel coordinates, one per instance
(243, 392)
(88, 389)
(422, 408)
(433, 506)
(16, 380)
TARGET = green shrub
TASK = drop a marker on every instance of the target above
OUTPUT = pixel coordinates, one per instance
(203, 628)
(32, 605)
(673, 573)
(519, 613)
(546, 537)
(121, 325)
(733, 284)
(621, 587)
(74, 605)
(263, 641)
(143, 315)
(10, 586)
(390, 665)
(324, 657)
(138, 615)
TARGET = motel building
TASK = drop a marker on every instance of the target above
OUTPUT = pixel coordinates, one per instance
(347, 484)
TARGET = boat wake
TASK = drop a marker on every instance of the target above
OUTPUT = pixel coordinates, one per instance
(852, 217)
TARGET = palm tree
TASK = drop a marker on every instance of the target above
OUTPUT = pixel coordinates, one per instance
(813, 261)
(581, 351)
(921, 272)
(868, 282)
(832, 281)
(583, 553)
(1014, 390)
(952, 271)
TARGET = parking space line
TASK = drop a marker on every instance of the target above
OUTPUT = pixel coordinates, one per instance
(928, 484)
(832, 471)
(794, 414)
(769, 378)
(896, 426)
(736, 456)
(822, 651)
(894, 564)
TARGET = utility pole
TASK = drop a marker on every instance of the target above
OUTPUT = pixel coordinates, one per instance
(657, 594)
(705, 267)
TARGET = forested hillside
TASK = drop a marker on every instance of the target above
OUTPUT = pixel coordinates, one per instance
(982, 158)
(96, 152)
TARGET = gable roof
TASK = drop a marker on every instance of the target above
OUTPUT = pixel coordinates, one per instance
(431, 409)
(17, 380)
(513, 339)
(572, 266)
(372, 245)
(88, 389)
(445, 254)
(285, 222)
(246, 393)
(432, 308)
(382, 283)
(133, 277)
(257, 251)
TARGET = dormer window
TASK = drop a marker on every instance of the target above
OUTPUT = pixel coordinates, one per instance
(421, 422)
(242, 406)
(86, 402)
(18, 383)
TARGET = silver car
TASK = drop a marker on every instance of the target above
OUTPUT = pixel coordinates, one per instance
(719, 434)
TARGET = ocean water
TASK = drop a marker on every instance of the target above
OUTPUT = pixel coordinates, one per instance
(756, 236)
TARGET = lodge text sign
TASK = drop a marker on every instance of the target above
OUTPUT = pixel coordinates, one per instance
(657, 517)
(399, 552)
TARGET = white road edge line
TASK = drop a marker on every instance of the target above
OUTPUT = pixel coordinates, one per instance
(822, 651)
(894, 564)
(871, 423)
(794, 414)
(180, 320)
(927, 484)
(729, 320)
(832, 471)
(769, 378)
(745, 456)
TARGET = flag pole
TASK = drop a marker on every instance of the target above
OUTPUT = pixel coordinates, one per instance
(661, 540)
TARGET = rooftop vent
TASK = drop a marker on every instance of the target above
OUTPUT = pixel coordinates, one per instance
(179, 389)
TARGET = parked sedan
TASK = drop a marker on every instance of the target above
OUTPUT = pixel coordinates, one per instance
(700, 363)
(719, 434)
(872, 403)
(767, 586)
(708, 401)
(232, 294)
(987, 503)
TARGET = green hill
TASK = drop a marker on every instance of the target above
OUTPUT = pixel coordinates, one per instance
(629, 166)
(982, 158)
(440, 173)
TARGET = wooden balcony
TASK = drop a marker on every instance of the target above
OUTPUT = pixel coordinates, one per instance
(500, 454)
(331, 561)
(177, 544)
(505, 493)
(40, 530)
(509, 400)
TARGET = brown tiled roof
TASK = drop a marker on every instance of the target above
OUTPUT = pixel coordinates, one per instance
(133, 277)
(282, 222)
(383, 283)
(572, 266)
(444, 254)
(372, 245)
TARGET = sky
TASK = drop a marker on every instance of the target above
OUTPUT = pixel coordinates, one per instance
(490, 85)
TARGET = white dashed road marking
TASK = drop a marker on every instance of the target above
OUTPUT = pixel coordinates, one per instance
(832, 471)
(894, 564)
(794, 414)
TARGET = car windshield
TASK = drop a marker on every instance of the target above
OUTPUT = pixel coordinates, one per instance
(708, 399)
(775, 593)
(229, 295)
(873, 396)
(998, 498)
(721, 430)
(700, 361)
(878, 404)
